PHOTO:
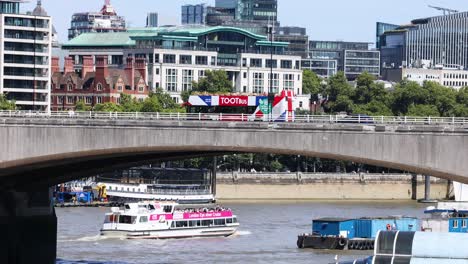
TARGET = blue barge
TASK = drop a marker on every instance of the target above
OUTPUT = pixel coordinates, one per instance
(352, 234)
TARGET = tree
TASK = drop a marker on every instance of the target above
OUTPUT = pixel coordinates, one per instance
(81, 106)
(408, 94)
(443, 98)
(214, 82)
(423, 110)
(160, 101)
(374, 108)
(108, 107)
(5, 104)
(338, 85)
(367, 90)
(311, 83)
(129, 104)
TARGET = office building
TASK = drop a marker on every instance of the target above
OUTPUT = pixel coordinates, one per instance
(177, 56)
(297, 39)
(381, 28)
(194, 14)
(447, 77)
(105, 20)
(435, 41)
(256, 10)
(96, 83)
(152, 20)
(324, 68)
(353, 58)
(26, 43)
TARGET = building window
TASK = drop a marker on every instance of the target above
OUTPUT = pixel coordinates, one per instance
(119, 88)
(274, 82)
(256, 63)
(245, 75)
(169, 58)
(185, 59)
(99, 87)
(141, 88)
(258, 82)
(157, 71)
(99, 99)
(288, 82)
(286, 64)
(156, 58)
(70, 87)
(88, 100)
(201, 74)
(60, 99)
(201, 60)
(464, 225)
(187, 79)
(244, 62)
(271, 63)
(171, 80)
(70, 100)
(119, 100)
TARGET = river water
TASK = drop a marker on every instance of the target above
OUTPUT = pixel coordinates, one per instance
(267, 234)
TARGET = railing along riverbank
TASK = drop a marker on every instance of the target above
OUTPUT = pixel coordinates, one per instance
(338, 119)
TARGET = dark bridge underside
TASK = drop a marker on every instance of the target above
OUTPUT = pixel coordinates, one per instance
(62, 169)
(51, 170)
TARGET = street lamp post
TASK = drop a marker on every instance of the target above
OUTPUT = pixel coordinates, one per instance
(271, 94)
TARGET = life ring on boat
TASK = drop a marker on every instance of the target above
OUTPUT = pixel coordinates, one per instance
(389, 227)
(162, 219)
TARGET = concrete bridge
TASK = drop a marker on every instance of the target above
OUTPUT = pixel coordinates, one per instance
(39, 152)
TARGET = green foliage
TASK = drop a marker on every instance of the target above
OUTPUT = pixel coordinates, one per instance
(129, 104)
(108, 107)
(82, 107)
(338, 86)
(213, 82)
(160, 101)
(374, 108)
(311, 83)
(423, 110)
(6, 104)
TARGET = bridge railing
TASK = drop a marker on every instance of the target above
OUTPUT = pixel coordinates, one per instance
(339, 119)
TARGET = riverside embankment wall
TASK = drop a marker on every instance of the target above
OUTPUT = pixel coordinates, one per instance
(307, 186)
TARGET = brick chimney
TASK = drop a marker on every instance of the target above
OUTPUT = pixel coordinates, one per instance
(140, 66)
(102, 71)
(88, 66)
(69, 65)
(130, 72)
(55, 65)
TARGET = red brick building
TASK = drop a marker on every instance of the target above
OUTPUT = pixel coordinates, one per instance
(96, 84)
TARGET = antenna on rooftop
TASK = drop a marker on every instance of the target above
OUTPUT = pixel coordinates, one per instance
(447, 11)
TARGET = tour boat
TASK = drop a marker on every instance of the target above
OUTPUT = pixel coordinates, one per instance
(163, 220)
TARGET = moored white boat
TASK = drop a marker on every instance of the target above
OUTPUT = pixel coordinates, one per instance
(163, 220)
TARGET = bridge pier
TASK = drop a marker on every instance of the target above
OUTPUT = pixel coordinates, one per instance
(29, 227)
(427, 191)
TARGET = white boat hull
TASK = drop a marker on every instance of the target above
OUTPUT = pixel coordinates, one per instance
(172, 233)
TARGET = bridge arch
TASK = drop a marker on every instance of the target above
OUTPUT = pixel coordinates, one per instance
(43, 151)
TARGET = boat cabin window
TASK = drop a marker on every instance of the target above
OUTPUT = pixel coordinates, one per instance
(143, 219)
(207, 222)
(234, 220)
(195, 223)
(110, 219)
(455, 224)
(181, 224)
(167, 208)
(110, 188)
(127, 206)
(151, 207)
(229, 221)
(219, 222)
(173, 224)
(464, 224)
(127, 219)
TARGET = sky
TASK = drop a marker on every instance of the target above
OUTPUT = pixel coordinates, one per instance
(347, 20)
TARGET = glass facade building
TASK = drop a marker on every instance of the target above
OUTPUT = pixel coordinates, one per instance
(381, 28)
(152, 20)
(440, 41)
(25, 57)
(194, 14)
(352, 58)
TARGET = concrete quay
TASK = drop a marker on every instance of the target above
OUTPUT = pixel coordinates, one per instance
(314, 186)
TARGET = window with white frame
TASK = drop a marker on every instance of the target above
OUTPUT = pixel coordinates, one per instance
(119, 100)
(201, 74)
(99, 99)
(60, 99)
(258, 82)
(187, 79)
(288, 81)
(141, 88)
(88, 100)
(171, 80)
(70, 100)
(119, 88)
(99, 87)
(70, 87)
(274, 82)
